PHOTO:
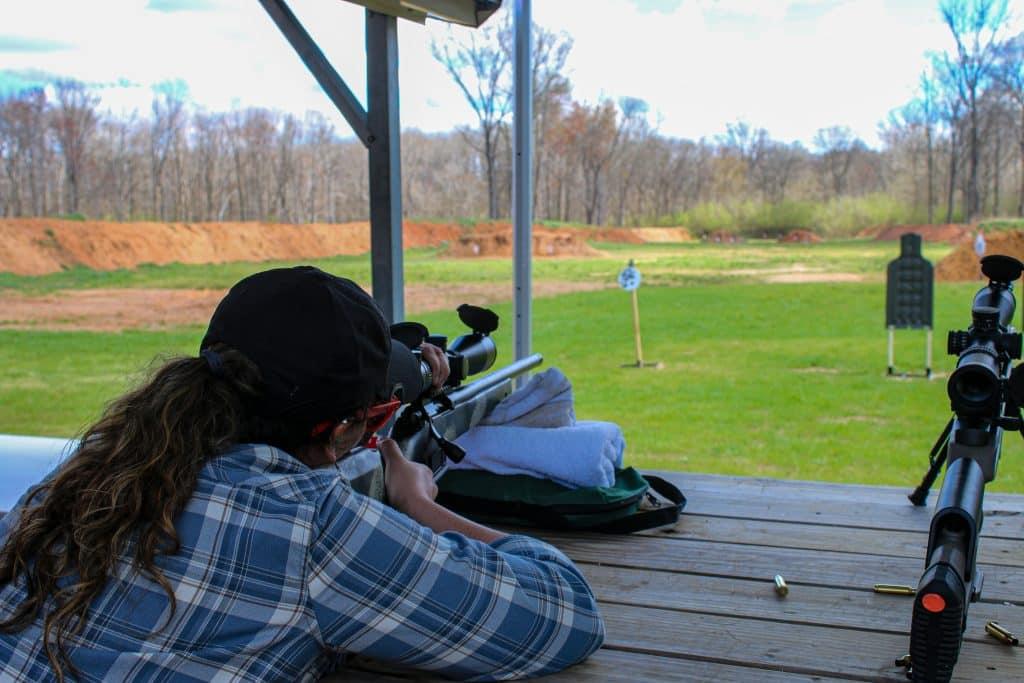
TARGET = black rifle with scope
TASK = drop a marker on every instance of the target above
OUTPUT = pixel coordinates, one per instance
(431, 419)
(985, 395)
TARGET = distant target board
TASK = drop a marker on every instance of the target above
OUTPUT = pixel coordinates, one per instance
(909, 296)
(629, 278)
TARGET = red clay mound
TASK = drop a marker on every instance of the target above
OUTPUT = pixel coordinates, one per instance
(663, 234)
(616, 235)
(962, 263)
(35, 246)
(495, 240)
(950, 232)
(802, 236)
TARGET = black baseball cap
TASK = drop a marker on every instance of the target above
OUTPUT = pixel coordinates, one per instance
(319, 340)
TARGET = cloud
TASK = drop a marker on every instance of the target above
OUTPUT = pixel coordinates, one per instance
(25, 44)
(13, 82)
(169, 6)
(662, 6)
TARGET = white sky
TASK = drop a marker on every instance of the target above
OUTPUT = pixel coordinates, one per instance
(789, 66)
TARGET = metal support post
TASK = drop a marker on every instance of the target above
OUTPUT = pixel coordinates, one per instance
(322, 71)
(892, 334)
(636, 330)
(522, 181)
(387, 266)
(928, 355)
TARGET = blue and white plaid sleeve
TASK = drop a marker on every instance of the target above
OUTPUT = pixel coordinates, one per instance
(385, 587)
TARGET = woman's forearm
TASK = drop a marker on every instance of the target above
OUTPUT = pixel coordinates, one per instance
(440, 519)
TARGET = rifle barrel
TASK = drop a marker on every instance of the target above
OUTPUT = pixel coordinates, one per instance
(479, 386)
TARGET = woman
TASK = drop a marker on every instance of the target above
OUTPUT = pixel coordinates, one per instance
(201, 531)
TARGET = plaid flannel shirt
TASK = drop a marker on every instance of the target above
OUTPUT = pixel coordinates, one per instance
(283, 568)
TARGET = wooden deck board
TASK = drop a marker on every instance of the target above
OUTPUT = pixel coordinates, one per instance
(696, 603)
(757, 600)
(619, 666)
(823, 537)
(854, 571)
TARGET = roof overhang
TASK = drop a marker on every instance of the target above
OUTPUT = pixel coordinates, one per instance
(471, 13)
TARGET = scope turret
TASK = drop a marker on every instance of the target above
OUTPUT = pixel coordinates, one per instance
(1001, 268)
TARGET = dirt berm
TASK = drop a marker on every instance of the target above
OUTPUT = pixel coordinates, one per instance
(949, 232)
(36, 246)
(963, 263)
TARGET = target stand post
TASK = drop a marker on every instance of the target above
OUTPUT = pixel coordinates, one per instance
(629, 280)
(927, 353)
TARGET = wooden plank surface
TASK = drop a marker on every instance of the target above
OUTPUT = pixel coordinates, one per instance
(799, 648)
(824, 537)
(696, 602)
(620, 666)
(836, 506)
(818, 605)
(852, 571)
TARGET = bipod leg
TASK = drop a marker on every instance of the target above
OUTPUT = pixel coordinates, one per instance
(935, 461)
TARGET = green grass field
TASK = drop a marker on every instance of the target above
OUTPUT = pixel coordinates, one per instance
(662, 264)
(778, 380)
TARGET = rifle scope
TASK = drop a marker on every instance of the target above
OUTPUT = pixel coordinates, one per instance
(468, 355)
(976, 386)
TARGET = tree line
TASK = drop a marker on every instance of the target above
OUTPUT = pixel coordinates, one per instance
(954, 153)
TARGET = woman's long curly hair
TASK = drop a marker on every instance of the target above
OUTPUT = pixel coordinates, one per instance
(133, 472)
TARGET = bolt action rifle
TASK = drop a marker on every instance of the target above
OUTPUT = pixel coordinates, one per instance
(986, 397)
(430, 420)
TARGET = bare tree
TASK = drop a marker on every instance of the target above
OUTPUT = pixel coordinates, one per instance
(596, 132)
(21, 131)
(950, 110)
(479, 64)
(929, 108)
(750, 145)
(74, 122)
(550, 90)
(778, 164)
(635, 135)
(165, 130)
(284, 165)
(975, 25)
(838, 146)
(1010, 76)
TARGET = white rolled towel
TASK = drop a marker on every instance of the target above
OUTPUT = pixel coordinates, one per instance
(544, 401)
(583, 454)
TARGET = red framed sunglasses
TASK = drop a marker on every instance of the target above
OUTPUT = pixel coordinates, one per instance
(376, 417)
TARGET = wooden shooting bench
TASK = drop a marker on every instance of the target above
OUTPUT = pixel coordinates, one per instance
(698, 602)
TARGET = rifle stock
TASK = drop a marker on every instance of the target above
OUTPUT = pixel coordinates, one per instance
(951, 580)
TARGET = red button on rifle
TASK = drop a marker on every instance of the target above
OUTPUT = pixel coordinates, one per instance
(933, 602)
